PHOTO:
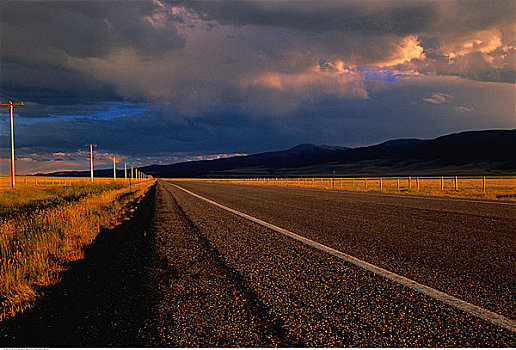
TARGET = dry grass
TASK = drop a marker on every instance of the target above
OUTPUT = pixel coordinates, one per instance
(46, 181)
(496, 188)
(42, 229)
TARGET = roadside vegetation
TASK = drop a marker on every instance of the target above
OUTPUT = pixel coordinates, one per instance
(44, 229)
(493, 188)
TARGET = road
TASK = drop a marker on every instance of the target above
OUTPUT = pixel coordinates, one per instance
(461, 247)
(193, 274)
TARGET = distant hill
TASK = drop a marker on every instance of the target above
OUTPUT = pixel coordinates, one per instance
(487, 151)
(299, 156)
(471, 152)
(460, 148)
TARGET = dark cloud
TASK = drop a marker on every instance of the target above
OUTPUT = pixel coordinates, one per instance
(39, 38)
(365, 17)
(401, 18)
(86, 28)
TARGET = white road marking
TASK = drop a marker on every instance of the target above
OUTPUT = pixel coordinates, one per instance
(474, 310)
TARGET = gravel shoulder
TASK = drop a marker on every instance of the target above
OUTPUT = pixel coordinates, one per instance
(196, 299)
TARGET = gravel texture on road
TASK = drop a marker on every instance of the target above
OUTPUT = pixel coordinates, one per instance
(318, 298)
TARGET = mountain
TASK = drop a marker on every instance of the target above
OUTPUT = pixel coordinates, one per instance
(465, 153)
(299, 156)
(459, 148)
(471, 152)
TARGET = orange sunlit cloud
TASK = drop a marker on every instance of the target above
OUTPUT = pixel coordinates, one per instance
(407, 50)
(485, 41)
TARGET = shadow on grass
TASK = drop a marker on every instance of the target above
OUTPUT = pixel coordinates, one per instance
(100, 300)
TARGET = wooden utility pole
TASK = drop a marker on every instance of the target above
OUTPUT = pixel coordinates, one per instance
(125, 170)
(114, 167)
(91, 159)
(11, 105)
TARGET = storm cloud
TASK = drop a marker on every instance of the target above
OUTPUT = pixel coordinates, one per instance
(192, 79)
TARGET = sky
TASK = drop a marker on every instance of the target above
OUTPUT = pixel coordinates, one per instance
(159, 82)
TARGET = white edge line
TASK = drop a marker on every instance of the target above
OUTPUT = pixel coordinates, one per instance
(474, 310)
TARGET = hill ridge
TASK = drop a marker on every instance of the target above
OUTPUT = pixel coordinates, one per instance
(487, 150)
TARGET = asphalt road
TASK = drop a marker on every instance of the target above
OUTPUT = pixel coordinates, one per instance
(461, 247)
(186, 273)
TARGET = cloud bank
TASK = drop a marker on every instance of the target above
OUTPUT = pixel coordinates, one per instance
(199, 78)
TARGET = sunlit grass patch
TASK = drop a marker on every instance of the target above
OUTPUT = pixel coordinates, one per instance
(23, 198)
(43, 229)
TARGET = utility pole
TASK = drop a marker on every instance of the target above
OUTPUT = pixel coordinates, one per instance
(11, 105)
(91, 159)
(130, 179)
(125, 170)
(114, 167)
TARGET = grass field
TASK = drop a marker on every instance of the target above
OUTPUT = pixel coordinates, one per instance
(44, 227)
(495, 188)
(45, 181)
